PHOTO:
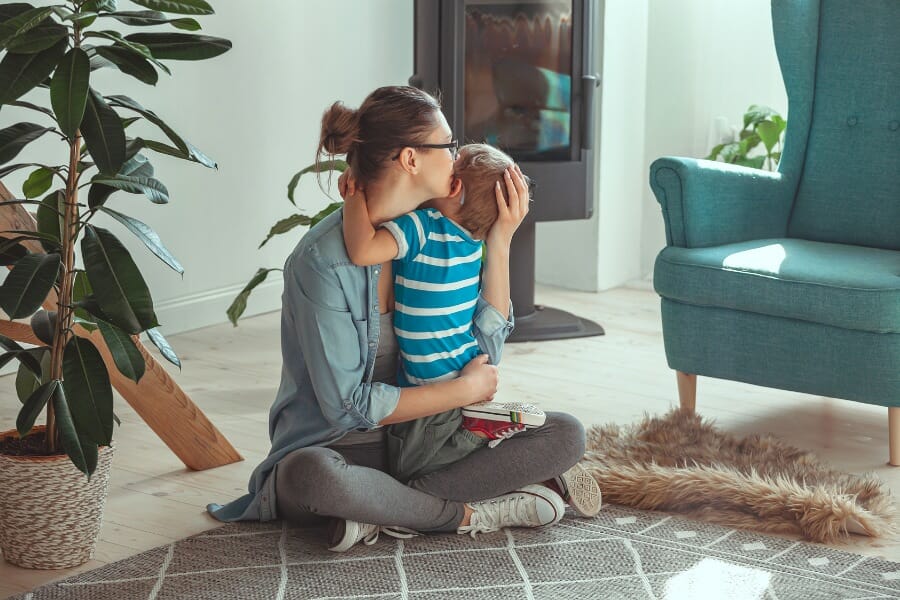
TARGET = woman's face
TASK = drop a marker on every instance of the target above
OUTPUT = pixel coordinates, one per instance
(435, 171)
(431, 170)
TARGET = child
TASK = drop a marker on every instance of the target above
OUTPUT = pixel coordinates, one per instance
(437, 254)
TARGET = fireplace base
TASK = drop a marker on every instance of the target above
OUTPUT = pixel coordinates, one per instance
(538, 323)
(546, 323)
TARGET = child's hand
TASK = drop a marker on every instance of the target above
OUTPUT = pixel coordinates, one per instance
(347, 185)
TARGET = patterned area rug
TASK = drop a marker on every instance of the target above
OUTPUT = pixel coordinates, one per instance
(621, 554)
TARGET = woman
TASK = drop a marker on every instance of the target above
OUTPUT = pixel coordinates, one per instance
(328, 446)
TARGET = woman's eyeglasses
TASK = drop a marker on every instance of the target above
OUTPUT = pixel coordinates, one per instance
(452, 146)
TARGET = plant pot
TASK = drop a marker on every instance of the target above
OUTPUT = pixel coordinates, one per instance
(50, 514)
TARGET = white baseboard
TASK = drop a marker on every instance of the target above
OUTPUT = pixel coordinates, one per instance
(9, 368)
(644, 283)
(204, 309)
(208, 308)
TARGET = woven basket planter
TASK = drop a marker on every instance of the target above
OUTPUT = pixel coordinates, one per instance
(50, 514)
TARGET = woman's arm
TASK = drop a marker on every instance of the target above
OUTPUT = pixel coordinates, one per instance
(511, 213)
(366, 246)
(315, 313)
(478, 382)
(495, 286)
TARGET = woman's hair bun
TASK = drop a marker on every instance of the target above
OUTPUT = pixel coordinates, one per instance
(340, 129)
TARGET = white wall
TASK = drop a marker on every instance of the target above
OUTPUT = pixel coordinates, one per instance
(604, 250)
(670, 67)
(622, 142)
(257, 111)
(705, 59)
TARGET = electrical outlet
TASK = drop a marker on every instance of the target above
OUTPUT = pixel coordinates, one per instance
(721, 131)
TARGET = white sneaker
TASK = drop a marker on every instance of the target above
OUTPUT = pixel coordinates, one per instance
(532, 506)
(580, 490)
(520, 413)
(346, 534)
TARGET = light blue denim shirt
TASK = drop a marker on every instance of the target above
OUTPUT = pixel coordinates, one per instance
(329, 337)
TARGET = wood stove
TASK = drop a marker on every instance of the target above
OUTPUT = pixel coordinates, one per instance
(520, 75)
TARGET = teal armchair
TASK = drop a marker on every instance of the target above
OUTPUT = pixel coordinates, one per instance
(791, 279)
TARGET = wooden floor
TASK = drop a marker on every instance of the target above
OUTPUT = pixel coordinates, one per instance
(232, 373)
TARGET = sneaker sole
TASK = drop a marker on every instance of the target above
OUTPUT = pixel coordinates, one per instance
(581, 491)
(529, 420)
(337, 531)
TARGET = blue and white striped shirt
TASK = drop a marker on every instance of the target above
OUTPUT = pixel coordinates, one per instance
(436, 285)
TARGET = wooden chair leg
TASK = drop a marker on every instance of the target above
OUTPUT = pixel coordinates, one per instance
(687, 390)
(159, 401)
(894, 435)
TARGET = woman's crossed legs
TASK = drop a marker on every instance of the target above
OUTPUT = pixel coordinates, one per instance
(351, 483)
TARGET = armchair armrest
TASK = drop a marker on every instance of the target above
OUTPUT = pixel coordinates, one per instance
(706, 203)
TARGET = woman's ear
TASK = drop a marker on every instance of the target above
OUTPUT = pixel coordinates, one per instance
(456, 187)
(408, 162)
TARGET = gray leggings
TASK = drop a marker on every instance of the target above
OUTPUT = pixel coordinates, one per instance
(352, 483)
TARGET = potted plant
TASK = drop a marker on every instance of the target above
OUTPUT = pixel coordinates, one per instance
(289, 223)
(54, 478)
(762, 125)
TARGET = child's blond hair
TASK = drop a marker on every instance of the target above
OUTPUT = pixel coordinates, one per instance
(479, 167)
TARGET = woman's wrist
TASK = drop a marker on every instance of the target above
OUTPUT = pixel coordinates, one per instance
(499, 247)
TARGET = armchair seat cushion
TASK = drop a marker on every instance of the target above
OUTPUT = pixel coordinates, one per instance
(852, 287)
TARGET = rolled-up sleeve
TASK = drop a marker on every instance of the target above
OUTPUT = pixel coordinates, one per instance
(491, 328)
(334, 347)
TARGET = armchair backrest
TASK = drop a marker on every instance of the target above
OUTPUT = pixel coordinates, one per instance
(840, 60)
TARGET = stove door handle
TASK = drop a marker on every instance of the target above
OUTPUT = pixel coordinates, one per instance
(588, 84)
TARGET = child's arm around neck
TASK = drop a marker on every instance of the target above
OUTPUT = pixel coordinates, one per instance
(366, 245)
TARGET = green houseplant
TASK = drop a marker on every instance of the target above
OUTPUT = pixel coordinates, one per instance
(762, 125)
(58, 48)
(289, 223)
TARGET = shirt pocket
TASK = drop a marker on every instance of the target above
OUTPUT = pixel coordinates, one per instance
(418, 447)
(440, 429)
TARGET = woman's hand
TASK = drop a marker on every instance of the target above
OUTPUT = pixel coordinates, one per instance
(511, 213)
(483, 378)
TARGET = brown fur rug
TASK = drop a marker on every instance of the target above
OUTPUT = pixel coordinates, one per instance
(682, 463)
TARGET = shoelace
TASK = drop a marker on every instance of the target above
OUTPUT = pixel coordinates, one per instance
(402, 533)
(511, 508)
(505, 435)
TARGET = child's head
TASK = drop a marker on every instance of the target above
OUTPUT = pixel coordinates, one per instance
(479, 168)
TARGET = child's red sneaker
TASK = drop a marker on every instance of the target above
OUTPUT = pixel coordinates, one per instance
(495, 431)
